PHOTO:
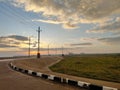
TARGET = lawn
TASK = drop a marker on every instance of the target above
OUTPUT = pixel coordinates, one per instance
(103, 67)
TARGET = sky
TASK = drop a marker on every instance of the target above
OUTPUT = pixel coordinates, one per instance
(74, 26)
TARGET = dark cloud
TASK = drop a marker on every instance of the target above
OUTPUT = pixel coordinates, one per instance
(53, 49)
(18, 37)
(113, 27)
(12, 41)
(70, 13)
(80, 44)
(6, 46)
(12, 38)
(110, 40)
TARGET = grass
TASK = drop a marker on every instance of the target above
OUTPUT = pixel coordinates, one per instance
(102, 67)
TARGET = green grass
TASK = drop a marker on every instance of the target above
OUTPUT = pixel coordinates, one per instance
(103, 67)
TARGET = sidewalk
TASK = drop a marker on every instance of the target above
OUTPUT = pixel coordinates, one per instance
(41, 65)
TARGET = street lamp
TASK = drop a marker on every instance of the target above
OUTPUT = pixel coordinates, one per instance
(62, 51)
(38, 53)
(29, 38)
(48, 50)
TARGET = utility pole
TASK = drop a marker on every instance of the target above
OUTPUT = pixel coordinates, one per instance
(38, 53)
(48, 50)
(29, 46)
(62, 51)
(56, 51)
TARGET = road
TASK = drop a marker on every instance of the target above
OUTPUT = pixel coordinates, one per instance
(12, 80)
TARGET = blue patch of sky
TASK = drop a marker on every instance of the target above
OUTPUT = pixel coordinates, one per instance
(15, 20)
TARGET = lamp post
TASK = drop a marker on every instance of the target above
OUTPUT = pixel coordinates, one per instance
(62, 51)
(38, 53)
(48, 50)
(29, 46)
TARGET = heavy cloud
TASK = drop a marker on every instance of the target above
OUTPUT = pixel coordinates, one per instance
(80, 44)
(113, 27)
(12, 41)
(110, 40)
(70, 13)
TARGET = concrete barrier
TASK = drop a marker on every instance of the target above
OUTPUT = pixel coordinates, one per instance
(34, 73)
(62, 80)
(95, 87)
(57, 79)
(83, 84)
(20, 69)
(109, 88)
(72, 82)
(44, 76)
(51, 77)
(26, 71)
(39, 74)
(30, 72)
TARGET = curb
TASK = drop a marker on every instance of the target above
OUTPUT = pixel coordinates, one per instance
(68, 81)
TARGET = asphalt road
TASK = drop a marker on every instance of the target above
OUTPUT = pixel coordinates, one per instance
(12, 80)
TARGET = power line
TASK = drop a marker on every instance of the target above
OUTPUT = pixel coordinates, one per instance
(12, 11)
(10, 15)
(23, 16)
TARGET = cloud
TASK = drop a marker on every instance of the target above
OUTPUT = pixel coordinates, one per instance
(100, 41)
(48, 21)
(69, 26)
(18, 37)
(113, 27)
(110, 40)
(66, 25)
(13, 38)
(88, 39)
(80, 44)
(6, 46)
(72, 12)
(13, 41)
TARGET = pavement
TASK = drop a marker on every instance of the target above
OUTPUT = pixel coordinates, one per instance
(42, 64)
(12, 80)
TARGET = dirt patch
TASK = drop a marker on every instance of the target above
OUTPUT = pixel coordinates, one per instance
(37, 65)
